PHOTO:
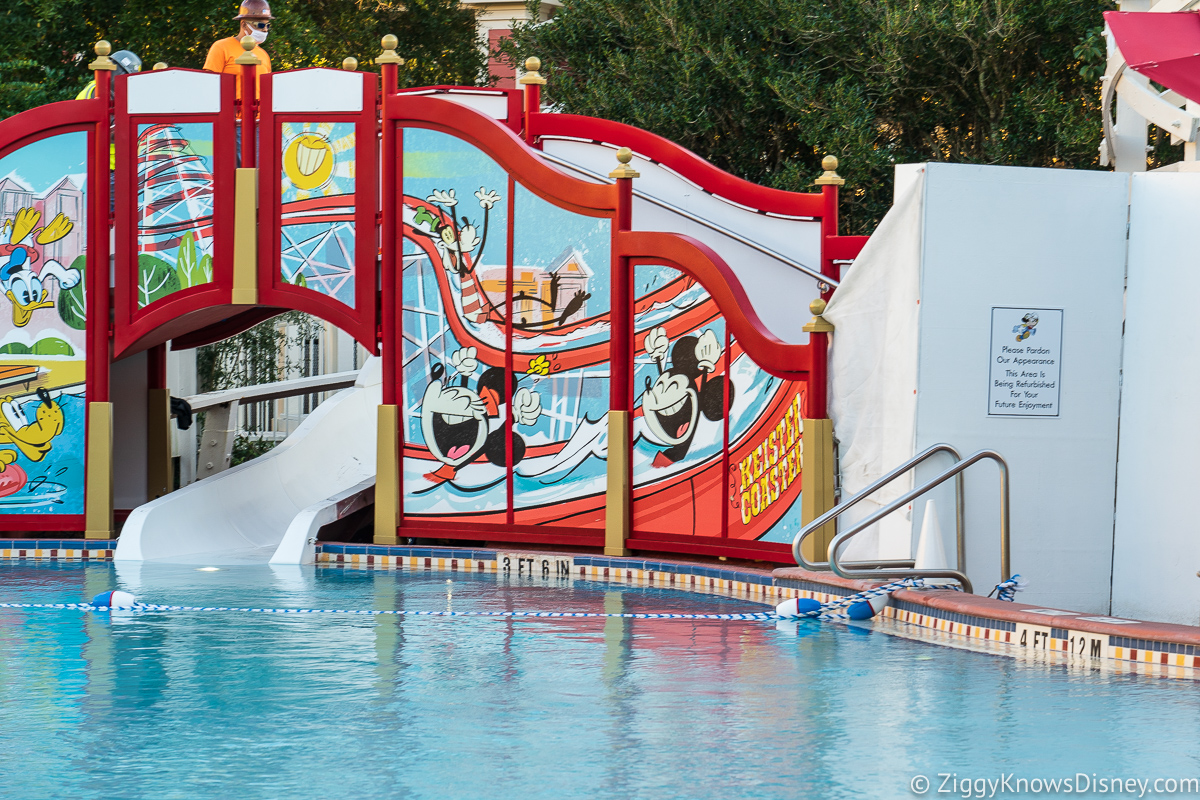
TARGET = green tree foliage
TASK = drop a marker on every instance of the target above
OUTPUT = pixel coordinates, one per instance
(765, 88)
(47, 44)
(259, 355)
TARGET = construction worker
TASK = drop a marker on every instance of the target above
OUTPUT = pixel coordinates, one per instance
(255, 16)
(127, 63)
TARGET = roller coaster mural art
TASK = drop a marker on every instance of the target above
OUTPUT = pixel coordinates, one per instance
(561, 364)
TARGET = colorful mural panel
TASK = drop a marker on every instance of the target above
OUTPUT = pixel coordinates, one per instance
(455, 221)
(679, 388)
(174, 208)
(474, 303)
(561, 332)
(765, 449)
(317, 187)
(43, 317)
(695, 390)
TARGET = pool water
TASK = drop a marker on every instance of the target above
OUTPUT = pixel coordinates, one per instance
(221, 705)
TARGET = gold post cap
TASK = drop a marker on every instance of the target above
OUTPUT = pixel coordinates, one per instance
(350, 63)
(389, 56)
(532, 65)
(623, 170)
(102, 61)
(830, 176)
(818, 324)
(248, 44)
(160, 65)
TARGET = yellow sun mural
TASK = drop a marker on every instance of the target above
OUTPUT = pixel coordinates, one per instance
(318, 159)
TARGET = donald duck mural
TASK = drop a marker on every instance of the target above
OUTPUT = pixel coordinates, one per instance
(21, 280)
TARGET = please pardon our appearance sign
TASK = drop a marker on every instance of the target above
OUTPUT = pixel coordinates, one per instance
(1026, 362)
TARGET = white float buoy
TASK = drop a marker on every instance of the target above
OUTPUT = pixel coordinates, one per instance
(797, 607)
(114, 599)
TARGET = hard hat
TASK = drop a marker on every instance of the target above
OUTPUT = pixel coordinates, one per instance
(256, 9)
(127, 62)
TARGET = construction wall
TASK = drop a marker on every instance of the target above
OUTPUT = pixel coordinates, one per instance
(1156, 554)
(1018, 279)
(1003, 245)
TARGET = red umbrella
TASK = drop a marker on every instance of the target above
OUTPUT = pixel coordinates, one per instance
(1163, 47)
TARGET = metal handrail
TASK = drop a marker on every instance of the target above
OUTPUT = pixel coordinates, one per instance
(835, 512)
(721, 229)
(954, 471)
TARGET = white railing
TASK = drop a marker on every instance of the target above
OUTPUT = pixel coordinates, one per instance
(223, 417)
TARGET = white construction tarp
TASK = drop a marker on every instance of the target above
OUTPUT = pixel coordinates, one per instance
(873, 373)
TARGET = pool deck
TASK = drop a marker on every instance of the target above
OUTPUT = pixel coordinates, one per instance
(1016, 628)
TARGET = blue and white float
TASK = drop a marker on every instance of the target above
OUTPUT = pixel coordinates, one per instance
(114, 599)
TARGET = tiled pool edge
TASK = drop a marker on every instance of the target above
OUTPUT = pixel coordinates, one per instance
(1019, 628)
(760, 586)
(57, 549)
(1015, 626)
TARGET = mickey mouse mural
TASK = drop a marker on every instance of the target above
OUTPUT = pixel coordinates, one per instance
(460, 422)
(672, 404)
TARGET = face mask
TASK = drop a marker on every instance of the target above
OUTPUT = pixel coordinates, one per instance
(258, 36)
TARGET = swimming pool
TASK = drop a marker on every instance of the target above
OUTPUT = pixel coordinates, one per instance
(196, 705)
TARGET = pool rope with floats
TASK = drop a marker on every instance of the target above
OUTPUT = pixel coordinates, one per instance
(861, 606)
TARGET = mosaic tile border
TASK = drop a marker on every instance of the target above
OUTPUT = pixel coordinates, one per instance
(1047, 638)
(1049, 659)
(57, 549)
(671, 575)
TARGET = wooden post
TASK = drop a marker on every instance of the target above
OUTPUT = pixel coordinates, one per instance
(388, 496)
(618, 512)
(98, 505)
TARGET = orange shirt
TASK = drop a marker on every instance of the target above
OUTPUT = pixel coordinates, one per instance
(223, 53)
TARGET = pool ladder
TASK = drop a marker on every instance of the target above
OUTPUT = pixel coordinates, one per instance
(905, 568)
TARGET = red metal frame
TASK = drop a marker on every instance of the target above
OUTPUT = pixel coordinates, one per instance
(425, 528)
(239, 322)
(361, 320)
(790, 361)
(26, 128)
(198, 306)
(391, 173)
(506, 149)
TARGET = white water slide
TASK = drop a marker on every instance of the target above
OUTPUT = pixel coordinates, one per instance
(776, 258)
(274, 503)
(269, 509)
